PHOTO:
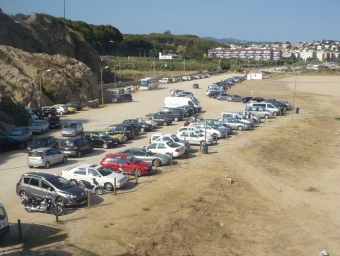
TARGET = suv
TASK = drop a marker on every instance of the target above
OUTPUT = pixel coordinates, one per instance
(159, 119)
(38, 184)
(76, 146)
(100, 140)
(48, 111)
(172, 113)
(119, 98)
(4, 225)
(43, 142)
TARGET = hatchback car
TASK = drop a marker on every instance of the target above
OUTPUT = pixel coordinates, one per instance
(161, 120)
(119, 129)
(72, 128)
(76, 105)
(222, 96)
(104, 175)
(61, 109)
(160, 137)
(234, 98)
(49, 111)
(43, 142)
(39, 126)
(54, 122)
(45, 157)
(195, 138)
(76, 146)
(101, 140)
(129, 163)
(4, 224)
(21, 133)
(38, 184)
(148, 156)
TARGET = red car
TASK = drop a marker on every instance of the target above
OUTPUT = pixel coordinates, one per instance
(129, 163)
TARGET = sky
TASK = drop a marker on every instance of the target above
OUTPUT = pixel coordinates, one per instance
(251, 20)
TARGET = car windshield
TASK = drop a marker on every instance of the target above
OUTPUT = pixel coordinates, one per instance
(15, 132)
(38, 140)
(172, 144)
(133, 159)
(149, 152)
(158, 116)
(175, 138)
(103, 170)
(60, 182)
(70, 125)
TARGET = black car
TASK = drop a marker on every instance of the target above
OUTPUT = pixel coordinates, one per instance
(118, 129)
(161, 120)
(43, 142)
(142, 126)
(246, 99)
(77, 105)
(76, 146)
(130, 131)
(119, 98)
(100, 140)
(258, 99)
(8, 143)
(172, 113)
(54, 121)
(49, 111)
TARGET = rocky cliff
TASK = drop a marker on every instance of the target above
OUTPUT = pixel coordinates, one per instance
(28, 49)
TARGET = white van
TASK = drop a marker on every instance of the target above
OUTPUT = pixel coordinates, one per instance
(265, 105)
(165, 80)
(4, 225)
(174, 102)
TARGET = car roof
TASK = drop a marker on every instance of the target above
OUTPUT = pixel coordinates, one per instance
(117, 154)
(86, 166)
(40, 149)
(41, 174)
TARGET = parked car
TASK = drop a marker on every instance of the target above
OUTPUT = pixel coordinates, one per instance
(172, 113)
(43, 142)
(39, 126)
(195, 138)
(77, 105)
(165, 80)
(4, 224)
(257, 99)
(70, 109)
(8, 143)
(101, 140)
(105, 176)
(76, 146)
(134, 125)
(159, 137)
(129, 163)
(54, 122)
(62, 109)
(197, 130)
(152, 122)
(148, 156)
(167, 147)
(260, 112)
(72, 128)
(161, 120)
(246, 99)
(234, 98)
(48, 111)
(45, 157)
(21, 133)
(38, 184)
(235, 124)
(131, 131)
(222, 96)
(217, 132)
(143, 126)
(119, 98)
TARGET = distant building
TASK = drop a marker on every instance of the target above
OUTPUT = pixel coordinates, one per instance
(246, 53)
(169, 57)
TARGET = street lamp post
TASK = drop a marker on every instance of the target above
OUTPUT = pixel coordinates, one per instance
(40, 92)
(101, 82)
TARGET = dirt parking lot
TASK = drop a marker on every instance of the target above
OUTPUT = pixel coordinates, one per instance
(282, 200)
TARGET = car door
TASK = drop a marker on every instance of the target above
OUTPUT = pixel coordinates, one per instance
(125, 164)
(96, 140)
(80, 174)
(57, 156)
(93, 173)
(35, 188)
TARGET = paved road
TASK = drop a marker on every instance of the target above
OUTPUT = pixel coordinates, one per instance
(13, 164)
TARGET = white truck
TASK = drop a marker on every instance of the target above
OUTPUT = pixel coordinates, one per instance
(174, 102)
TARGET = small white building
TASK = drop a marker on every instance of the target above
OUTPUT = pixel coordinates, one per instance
(254, 75)
(169, 57)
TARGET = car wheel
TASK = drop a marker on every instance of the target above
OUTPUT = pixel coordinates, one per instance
(156, 162)
(47, 165)
(240, 128)
(266, 116)
(105, 146)
(30, 166)
(23, 195)
(138, 171)
(60, 200)
(165, 123)
(108, 186)
(176, 119)
(142, 129)
(64, 159)
(79, 154)
(74, 182)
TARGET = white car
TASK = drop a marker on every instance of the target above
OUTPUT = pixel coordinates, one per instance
(195, 138)
(161, 137)
(197, 130)
(167, 147)
(61, 110)
(104, 175)
(208, 129)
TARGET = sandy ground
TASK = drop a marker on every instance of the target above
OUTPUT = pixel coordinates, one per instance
(283, 198)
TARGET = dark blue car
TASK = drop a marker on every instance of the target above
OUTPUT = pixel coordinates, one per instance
(246, 99)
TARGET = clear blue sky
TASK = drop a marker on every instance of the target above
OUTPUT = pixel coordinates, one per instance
(252, 20)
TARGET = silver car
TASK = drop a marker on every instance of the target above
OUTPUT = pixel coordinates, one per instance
(21, 133)
(156, 159)
(39, 126)
(45, 157)
(72, 128)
